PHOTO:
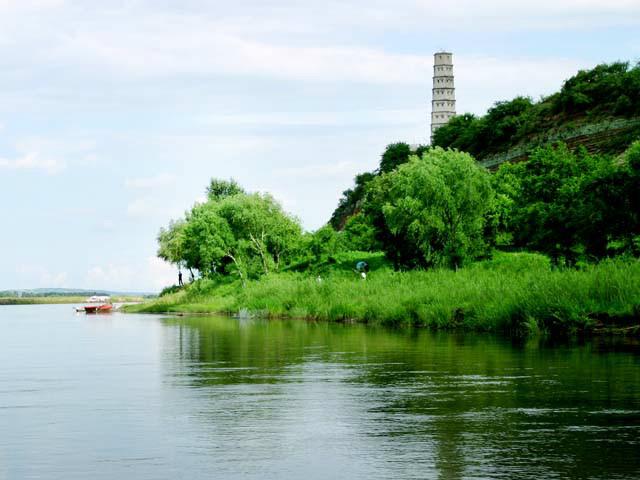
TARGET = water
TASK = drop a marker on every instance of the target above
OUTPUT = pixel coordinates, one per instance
(152, 397)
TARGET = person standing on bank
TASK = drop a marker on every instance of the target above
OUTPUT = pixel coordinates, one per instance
(180, 278)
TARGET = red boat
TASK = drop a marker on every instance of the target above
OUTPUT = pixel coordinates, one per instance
(104, 308)
(97, 304)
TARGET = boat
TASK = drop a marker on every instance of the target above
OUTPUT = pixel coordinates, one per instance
(104, 308)
(96, 304)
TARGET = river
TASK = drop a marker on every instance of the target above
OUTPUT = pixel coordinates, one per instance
(154, 397)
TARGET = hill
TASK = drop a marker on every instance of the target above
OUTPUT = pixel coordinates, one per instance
(598, 109)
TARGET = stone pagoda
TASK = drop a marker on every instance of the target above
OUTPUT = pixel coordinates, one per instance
(443, 102)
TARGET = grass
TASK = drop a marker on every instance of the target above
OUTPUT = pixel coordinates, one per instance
(518, 293)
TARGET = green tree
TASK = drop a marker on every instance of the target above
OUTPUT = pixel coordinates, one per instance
(506, 186)
(611, 214)
(209, 242)
(171, 242)
(324, 241)
(232, 233)
(350, 204)
(459, 132)
(359, 234)
(219, 189)
(394, 155)
(431, 211)
(548, 212)
(351, 201)
(262, 227)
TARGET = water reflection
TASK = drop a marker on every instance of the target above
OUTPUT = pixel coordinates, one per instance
(417, 403)
(148, 397)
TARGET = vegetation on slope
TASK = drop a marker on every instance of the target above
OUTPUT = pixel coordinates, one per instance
(598, 108)
(606, 91)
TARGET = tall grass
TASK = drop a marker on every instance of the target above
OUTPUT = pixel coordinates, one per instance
(516, 292)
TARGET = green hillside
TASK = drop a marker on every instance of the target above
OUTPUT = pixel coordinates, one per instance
(598, 109)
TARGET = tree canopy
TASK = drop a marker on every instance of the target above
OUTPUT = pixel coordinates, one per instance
(571, 205)
(232, 233)
(394, 155)
(431, 210)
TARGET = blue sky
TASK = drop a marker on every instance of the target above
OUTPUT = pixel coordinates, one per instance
(114, 114)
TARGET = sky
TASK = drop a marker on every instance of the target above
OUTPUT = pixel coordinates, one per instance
(115, 114)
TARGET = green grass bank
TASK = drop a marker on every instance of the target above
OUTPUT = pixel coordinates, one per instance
(516, 293)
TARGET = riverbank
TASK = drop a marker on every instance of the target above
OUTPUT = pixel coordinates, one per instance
(54, 300)
(516, 293)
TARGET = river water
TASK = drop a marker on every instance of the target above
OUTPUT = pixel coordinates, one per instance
(154, 397)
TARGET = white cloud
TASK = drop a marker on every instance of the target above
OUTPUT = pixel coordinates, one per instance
(313, 119)
(50, 155)
(169, 49)
(33, 161)
(111, 276)
(293, 40)
(326, 170)
(19, 6)
(151, 275)
(39, 277)
(106, 225)
(141, 207)
(161, 274)
(156, 181)
(149, 206)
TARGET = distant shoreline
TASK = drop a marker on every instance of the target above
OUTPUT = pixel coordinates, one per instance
(60, 299)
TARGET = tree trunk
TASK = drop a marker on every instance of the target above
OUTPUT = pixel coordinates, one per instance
(240, 274)
(259, 245)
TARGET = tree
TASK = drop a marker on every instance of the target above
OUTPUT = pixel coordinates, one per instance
(351, 201)
(171, 242)
(611, 195)
(219, 189)
(546, 202)
(209, 242)
(350, 204)
(324, 241)
(394, 155)
(359, 234)
(259, 223)
(459, 133)
(431, 211)
(232, 233)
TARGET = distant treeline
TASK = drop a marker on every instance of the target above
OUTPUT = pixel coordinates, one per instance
(38, 294)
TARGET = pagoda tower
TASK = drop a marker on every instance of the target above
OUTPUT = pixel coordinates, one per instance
(443, 100)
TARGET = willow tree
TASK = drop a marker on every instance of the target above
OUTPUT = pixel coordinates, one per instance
(171, 243)
(431, 210)
(232, 233)
(266, 233)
